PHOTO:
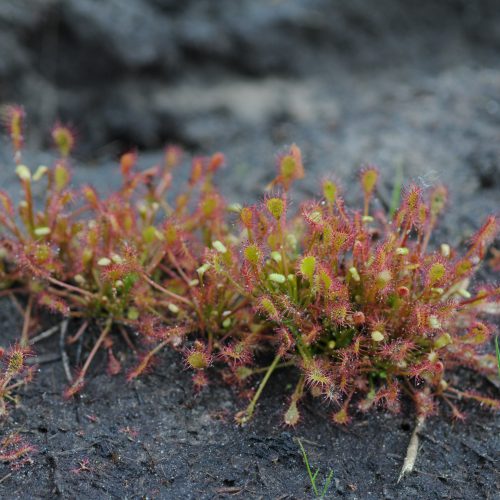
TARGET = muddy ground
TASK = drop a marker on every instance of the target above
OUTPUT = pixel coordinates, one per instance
(415, 88)
(156, 439)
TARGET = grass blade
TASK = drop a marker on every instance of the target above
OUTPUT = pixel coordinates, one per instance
(497, 349)
(306, 462)
(327, 484)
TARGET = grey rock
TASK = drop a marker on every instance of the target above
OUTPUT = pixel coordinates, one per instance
(133, 32)
(156, 71)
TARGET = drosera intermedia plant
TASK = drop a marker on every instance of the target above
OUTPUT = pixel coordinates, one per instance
(365, 304)
(16, 451)
(87, 257)
(319, 493)
(362, 306)
(14, 374)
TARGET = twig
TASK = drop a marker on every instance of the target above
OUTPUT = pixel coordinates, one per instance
(64, 354)
(244, 416)
(411, 452)
(180, 298)
(44, 359)
(6, 477)
(229, 490)
(78, 354)
(11, 291)
(138, 396)
(126, 338)
(16, 303)
(69, 287)
(79, 380)
(45, 335)
(79, 333)
(26, 324)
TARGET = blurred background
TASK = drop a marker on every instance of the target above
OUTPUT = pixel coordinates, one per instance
(412, 86)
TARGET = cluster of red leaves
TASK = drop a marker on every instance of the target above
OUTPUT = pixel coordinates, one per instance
(356, 301)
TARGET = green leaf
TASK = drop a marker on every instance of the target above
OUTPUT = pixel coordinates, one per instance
(308, 266)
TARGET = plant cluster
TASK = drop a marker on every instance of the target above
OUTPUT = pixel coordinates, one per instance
(16, 451)
(14, 373)
(357, 300)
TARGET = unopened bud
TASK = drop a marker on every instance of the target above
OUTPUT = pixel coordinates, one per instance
(432, 356)
(173, 308)
(203, 269)
(235, 207)
(40, 172)
(434, 322)
(445, 250)
(79, 279)
(116, 259)
(277, 278)
(383, 277)
(354, 274)
(276, 256)
(377, 336)
(219, 246)
(23, 172)
(359, 318)
(42, 231)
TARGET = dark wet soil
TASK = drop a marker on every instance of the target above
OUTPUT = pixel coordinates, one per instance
(415, 90)
(156, 439)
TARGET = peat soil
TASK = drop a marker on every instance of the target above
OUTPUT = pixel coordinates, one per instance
(419, 95)
(155, 439)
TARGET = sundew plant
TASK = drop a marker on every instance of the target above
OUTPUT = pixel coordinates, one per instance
(366, 306)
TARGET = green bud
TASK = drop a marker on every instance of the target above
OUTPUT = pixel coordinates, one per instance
(276, 256)
(354, 274)
(377, 336)
(308, 266)
(277, 278)
(219, 246)
(42, 231)
(443, 341)
(23, 172)
(133, 314)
